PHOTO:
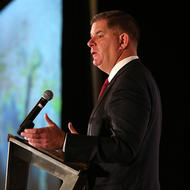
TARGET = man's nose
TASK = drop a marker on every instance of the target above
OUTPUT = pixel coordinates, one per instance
(91, 43)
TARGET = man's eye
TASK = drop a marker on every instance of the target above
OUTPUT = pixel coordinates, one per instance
(100, 35)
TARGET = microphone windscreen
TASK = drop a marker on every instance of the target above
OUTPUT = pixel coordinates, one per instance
(47, 95)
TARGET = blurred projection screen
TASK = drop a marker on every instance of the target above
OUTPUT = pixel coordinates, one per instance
(30, 63)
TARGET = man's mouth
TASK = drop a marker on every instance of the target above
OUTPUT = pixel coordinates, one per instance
(94, 53)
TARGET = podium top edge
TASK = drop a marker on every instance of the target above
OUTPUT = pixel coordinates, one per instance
(57, 156)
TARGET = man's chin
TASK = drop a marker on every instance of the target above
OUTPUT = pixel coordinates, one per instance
(95, 63)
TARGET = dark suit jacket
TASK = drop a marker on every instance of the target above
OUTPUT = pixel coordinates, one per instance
(122, 145)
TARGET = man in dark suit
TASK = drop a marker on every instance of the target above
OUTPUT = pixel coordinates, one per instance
(122, 144)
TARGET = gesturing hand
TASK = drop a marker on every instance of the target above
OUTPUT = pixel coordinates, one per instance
(50, 138)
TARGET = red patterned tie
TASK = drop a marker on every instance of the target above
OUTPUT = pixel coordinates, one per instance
(103, 87)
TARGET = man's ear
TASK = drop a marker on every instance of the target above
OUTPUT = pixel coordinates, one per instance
(124, 40)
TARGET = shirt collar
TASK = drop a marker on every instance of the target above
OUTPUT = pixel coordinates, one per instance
(119, 65)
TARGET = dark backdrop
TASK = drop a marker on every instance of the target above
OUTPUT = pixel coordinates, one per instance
(77, 88)
(159, 23)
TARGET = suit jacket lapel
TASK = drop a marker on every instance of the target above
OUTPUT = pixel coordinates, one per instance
(110, 85)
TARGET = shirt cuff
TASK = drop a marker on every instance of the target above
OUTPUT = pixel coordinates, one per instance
(64, 144)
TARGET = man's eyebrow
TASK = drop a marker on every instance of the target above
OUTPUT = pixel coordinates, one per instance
(98, 32)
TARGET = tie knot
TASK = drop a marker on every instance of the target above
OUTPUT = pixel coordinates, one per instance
(103, 87)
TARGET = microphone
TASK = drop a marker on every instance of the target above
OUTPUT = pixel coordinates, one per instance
(28, 121)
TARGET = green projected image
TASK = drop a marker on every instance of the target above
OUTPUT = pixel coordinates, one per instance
(30, 63)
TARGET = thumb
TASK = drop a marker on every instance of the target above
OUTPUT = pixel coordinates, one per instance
(71, 128)
(48, 120)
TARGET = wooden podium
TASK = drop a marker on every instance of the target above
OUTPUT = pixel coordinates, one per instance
(21, 155)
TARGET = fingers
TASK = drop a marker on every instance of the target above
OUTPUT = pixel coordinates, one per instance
(33, 131)
(48, 120)
(39, 130)
(71, 128)
(35, 134)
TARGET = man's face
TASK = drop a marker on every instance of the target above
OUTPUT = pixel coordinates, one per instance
(104, 46)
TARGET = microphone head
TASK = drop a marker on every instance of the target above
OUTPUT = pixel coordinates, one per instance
(47, 95)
